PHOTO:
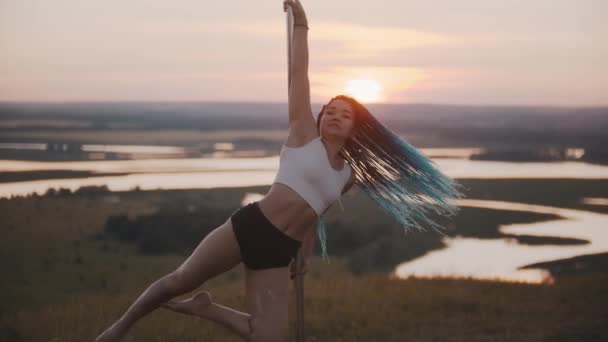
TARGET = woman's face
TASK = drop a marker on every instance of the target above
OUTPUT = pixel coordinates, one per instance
(338, 119)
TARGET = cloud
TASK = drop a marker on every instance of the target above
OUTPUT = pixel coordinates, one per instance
(353, 39)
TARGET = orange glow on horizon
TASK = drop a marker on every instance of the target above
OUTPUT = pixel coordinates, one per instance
(364, 90)
(367, 84)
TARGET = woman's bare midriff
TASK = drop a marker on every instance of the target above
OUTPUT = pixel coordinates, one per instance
(288, 211)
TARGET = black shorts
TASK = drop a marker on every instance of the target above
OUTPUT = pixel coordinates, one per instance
(262, 245)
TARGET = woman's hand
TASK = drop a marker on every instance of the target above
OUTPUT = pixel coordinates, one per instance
(293, 271)
(298, 11)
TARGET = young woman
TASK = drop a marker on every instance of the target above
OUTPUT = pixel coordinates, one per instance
(319, 162)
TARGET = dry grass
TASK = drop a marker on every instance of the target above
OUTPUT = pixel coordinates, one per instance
(59, 284)
(369, 308)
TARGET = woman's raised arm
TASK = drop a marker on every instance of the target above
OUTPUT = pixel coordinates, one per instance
(301, 119)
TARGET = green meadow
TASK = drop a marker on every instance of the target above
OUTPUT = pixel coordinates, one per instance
(65, 278)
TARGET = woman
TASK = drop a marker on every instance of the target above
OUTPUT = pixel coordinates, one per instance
(319, 162)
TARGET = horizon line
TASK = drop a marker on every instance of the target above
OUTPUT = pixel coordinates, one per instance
(285, 103)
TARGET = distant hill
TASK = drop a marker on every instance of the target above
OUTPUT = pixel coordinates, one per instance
(424, 125)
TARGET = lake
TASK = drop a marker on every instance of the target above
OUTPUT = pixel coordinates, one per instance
(464, 257)
(201, 173)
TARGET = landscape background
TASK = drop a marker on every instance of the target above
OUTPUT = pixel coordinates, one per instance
(131, 129)
(75, 259)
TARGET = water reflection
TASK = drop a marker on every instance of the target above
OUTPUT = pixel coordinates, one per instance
(455, 168)
(133, 149)
(498, 258)
(149, 181)
(462, 152)
(501, 258)
(83, 152)
(201, 173)
(481, 169)
(23, 146)
(595, 200)
(251, 197)
(148, 165)
(223, 146)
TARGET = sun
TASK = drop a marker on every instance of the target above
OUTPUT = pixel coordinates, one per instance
(364, 90)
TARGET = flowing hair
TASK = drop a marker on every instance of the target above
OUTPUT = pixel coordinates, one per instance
(399, 178)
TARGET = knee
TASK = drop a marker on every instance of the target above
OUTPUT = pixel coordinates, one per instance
(178, 282)
(264, 330)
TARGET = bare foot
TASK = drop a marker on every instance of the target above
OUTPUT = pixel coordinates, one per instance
(197, 305)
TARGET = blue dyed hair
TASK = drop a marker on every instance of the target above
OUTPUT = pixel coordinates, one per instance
(399, 178)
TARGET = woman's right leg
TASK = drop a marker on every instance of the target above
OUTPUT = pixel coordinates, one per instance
(202, 305)
(218, 252)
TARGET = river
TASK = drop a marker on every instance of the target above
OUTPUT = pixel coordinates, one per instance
(463, 257)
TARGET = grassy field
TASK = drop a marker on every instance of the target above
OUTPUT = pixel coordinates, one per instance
(62, 282)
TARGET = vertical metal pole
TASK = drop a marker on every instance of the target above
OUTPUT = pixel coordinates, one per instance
(299, 277)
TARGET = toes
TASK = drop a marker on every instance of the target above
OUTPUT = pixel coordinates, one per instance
(203, 296)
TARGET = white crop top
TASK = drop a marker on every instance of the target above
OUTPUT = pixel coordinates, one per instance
(306, 170)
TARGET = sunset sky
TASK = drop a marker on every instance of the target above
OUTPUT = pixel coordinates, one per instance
(506, 52)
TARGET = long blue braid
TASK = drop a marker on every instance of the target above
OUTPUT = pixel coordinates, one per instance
(403, 181)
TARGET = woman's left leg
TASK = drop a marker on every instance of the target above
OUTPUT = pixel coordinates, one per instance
(268, 303)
